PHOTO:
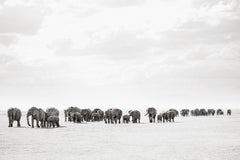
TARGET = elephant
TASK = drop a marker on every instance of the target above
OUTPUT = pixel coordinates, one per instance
(37, 114)
(116, 115)
(203, 112)
(136, 115)
(229, 112)
(100, 112)
(126, 118)
(219, 112)
(211, 112)
(159, 118)
(53, 121)
(77, 117)
(168, 116)
(113, 115)
(14, 114)
(87, 114)
(96, 117)
(52, 111)
(184, 112)
(195, 112)
(108, 116)
(151, 112)
(68, 111)
(175, 112)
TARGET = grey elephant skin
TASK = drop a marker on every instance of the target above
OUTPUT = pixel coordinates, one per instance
(53, 121)
(135, 115)
(14, 114)
(113, 115)
(37, 114)
(151, 112)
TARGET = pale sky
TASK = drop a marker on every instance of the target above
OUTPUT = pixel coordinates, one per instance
(120, 53)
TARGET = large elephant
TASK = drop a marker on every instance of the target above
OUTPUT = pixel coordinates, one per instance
(113, 115)
(135, 115)
(87, 114)
(116, 115)
(14, 114)
(229, 112)
(99, 112)
(108, 116)
(53, 121)
(151, 112)
(52, 111)
(37, 114)
(70, 110)
(126, 118)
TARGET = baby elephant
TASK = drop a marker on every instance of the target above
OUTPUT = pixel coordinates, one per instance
(126, 119)
(53, 121)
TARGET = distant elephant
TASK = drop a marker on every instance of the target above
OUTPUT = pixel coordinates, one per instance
(108, 116)
(126, 118)
(14, 114)
(195, 112)
(116, 115)
(99, 112)
(96, 117)
(53, 121)
(203, 112)
(229, 112)
(168, 116)
(52, 111)
(37, 114)
(184, 112)
(87, 114)
(113, 115)
(77, 117)
(159, 118)
(68, 111)
(175, 112)
(211, 112)
(219, 112)
(136, 115)
(151, 112)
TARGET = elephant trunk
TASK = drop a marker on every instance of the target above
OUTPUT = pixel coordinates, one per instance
(28, 119)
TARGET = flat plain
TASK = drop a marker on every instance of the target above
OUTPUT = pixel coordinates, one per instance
(198, 138)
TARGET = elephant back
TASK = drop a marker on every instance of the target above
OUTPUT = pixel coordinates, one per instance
(52, 111)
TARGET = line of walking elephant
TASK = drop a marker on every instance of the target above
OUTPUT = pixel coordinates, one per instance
(50, 117)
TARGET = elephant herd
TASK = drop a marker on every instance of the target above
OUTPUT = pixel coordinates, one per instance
(50, 117)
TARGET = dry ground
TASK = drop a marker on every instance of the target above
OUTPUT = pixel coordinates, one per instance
(203, 138)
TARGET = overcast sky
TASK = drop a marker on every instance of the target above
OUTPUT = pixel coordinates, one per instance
(120, 53)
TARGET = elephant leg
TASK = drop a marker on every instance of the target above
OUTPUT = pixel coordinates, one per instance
(119, 120)
(32, 122)
(9, 122)
(38, 123)
(18, 123)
